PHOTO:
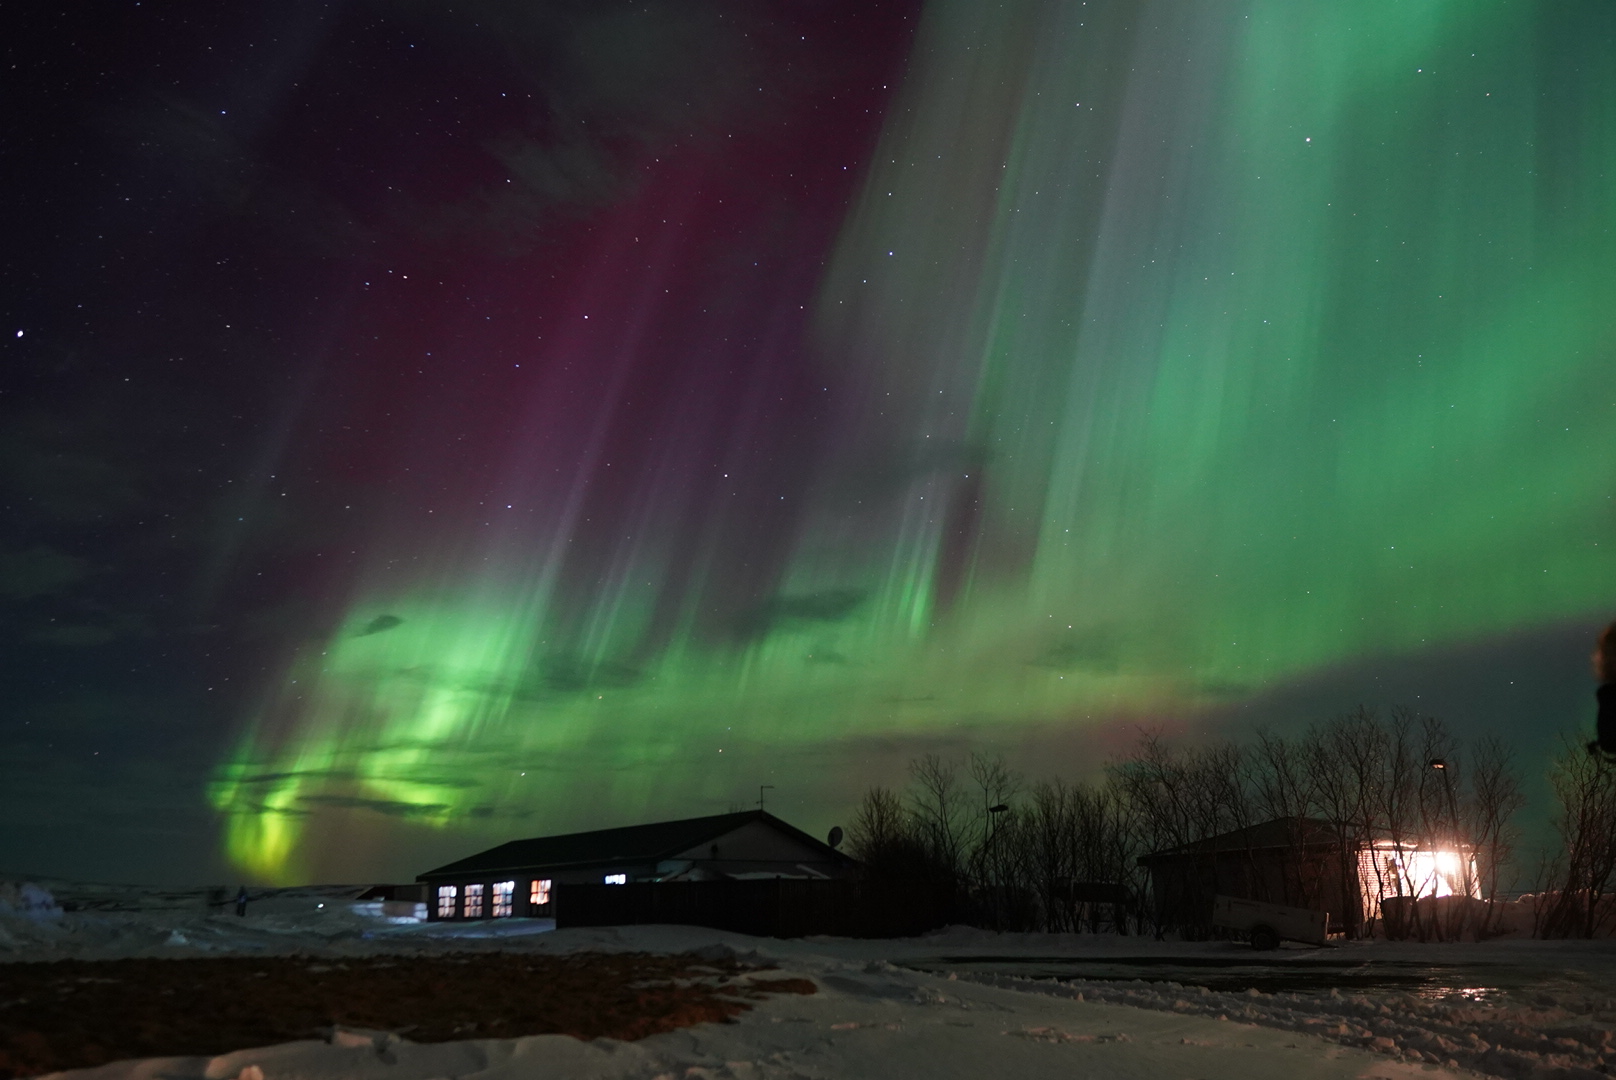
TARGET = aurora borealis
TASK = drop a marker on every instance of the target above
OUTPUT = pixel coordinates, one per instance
(772, 393)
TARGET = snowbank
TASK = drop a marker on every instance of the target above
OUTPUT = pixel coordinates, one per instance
(28, 900)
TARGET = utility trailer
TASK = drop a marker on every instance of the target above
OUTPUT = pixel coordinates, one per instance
(1266, 925)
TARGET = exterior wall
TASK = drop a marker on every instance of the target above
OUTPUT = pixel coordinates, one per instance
(1350, 885)
(777, 907)
(1313, 878)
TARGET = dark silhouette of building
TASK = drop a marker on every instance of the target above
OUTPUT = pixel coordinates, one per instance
(524, 877)
(1306, 863)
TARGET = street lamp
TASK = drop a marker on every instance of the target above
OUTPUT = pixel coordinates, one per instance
(993, 820)
(995, 886)
(1440, 765)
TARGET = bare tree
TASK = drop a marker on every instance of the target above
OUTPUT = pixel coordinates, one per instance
(1343, 759)
(1107, 852)
(1051, 851)
(1582, 874)
(1282, 786)
(1183, 796)
(1064, 856)
(1080, 855)
(1495, 797)
(880, 827)
(1179, 797)
(940, 813)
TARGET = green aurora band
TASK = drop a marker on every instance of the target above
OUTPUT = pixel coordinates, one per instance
(1193, 348)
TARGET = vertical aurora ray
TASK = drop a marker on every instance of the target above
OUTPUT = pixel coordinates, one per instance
(1171, 351)
(1272, 347)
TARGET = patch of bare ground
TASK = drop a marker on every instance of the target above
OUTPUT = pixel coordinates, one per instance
(71, 1014)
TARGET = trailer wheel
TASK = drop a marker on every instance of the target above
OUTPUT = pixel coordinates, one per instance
(1264, 938)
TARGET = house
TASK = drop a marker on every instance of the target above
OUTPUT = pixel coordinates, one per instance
(1308, 863)
(520, 878)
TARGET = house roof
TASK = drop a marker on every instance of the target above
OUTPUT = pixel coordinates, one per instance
(1289, 832)
(632, 844)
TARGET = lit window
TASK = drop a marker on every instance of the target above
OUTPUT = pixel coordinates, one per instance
(1439, 873)
(617, 879)
(474, 901)
(503, 892)
(446, 901)
(539, 893)
(1423, 873)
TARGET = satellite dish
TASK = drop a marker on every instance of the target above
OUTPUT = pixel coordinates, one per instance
(835, 837)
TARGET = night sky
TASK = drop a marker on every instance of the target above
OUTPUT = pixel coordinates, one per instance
(424, 424)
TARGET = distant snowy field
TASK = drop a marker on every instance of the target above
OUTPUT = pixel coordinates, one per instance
(960, 1003)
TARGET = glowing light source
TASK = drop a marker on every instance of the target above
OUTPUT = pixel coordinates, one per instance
(1427, 873)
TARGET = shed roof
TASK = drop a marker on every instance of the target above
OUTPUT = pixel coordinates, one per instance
(631, 844)
(1280, 833)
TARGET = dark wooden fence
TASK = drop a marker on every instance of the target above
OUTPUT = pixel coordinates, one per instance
(769, 907)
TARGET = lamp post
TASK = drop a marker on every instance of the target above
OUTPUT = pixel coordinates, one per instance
(993, 857)
(993, 819)
(1440, 765)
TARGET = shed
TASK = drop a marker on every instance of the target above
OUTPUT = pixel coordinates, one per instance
(518, 878)
(1306, 863)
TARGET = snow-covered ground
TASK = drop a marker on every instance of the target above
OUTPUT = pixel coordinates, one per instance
(877, 1022)
(961, 1003)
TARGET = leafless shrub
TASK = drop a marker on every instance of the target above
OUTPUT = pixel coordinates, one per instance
(1580, 878)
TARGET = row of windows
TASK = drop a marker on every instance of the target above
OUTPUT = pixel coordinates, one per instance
(504, 897)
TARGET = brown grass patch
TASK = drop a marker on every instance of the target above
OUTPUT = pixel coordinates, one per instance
(71, 1014)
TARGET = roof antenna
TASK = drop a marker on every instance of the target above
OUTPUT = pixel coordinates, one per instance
(761, 789)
